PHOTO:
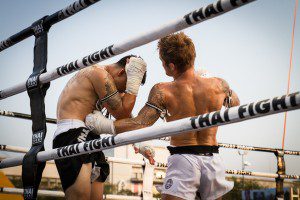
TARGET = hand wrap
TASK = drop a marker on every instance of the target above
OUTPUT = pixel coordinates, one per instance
(99, 124)
(135, 70)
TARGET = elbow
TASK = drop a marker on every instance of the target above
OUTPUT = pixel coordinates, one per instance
(123, 114)
(236, 102)
(126, 113)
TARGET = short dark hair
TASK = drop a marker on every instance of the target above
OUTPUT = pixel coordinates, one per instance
(122, 63)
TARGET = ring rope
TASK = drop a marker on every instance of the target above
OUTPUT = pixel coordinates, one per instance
(53, 121)
(207, 12)
(228, 171)
(236, 172)
(49, 21)
(52, 193)
(216, 118)
(290, 70)
(16, 149)
(24, 116)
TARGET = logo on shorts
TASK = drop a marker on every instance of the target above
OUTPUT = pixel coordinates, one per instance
(169, 183)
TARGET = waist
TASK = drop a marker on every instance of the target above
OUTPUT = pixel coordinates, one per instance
(64, 125)
(200, 150)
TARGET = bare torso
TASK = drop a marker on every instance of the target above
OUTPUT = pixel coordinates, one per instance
(190, 97)
(78, 98)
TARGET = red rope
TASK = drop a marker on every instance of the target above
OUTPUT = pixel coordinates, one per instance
(290, 70)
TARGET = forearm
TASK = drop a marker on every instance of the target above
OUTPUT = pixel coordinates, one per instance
(146, 117)
(130, 124)
(121, 105)
(128, 101)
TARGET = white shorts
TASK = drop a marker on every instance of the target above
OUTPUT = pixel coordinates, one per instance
(66, 124)
(188, 174)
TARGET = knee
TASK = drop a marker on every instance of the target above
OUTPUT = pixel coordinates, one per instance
(79, 194)
(83, 194)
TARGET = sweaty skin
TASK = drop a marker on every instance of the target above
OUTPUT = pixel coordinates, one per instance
(81, 93)
(188, 95)
(78, 99)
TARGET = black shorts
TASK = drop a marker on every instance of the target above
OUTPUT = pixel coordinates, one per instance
(69, 168)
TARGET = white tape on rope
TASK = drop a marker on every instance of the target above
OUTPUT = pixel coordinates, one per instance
(50, 193)
(217, 118)
(16, 149)
(228, 171)
(207, 12)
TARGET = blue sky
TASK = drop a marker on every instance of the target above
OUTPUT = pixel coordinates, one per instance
(249, 47)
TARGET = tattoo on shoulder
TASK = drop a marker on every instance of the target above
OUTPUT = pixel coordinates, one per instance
(225, 86)
(115, 101)
(157, 97)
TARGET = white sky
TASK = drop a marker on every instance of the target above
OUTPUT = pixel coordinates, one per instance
(249, 47)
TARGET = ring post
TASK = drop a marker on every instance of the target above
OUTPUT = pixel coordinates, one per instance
(32, 169)
(280, 171)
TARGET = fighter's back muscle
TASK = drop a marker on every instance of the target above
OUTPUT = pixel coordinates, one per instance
(78, 98)
(195, 96)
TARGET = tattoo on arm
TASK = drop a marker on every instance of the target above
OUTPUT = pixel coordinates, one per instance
(157, 97)
(147, 116)
(231, 98)
(115, 101)
(225, 87)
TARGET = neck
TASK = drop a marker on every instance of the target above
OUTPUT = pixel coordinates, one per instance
(184, 75)
(108, 68)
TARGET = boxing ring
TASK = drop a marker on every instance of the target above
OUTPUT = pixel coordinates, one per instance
(39, 81)
(276, 152)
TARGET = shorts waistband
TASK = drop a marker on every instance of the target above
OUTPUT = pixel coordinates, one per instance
(70, 121)
(200, 150)
(64, 125)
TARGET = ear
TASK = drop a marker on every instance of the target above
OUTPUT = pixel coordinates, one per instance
(172, 66)
(121, 72)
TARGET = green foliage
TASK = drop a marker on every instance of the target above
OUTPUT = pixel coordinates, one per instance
(110, 189)
(113, 189)
(157, 196)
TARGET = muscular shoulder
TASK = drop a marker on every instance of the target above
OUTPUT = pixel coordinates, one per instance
(158, 94)
(222, 85)
(99, 76)
(97, 72)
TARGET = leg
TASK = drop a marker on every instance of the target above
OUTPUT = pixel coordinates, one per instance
(170, 197)
(213, 184)
(81, 189)
(182, 178)
(97, 191)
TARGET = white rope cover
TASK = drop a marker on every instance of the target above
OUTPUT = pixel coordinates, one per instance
(50, 193)
(207, 12)
(216, 118)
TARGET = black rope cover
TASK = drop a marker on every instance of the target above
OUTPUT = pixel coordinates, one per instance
(31, 169)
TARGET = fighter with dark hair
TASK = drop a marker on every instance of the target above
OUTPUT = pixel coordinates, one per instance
(113, 87)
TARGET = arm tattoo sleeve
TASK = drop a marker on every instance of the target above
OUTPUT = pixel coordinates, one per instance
(147, 116)
(115, 101)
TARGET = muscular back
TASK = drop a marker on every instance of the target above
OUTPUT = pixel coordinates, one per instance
(78, 98)
(190, 97)
(187, 96)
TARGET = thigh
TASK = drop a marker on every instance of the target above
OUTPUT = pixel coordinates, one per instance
(170, 197)
(213, 183)
(81, 189)
(182, 177)
(97, 191)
